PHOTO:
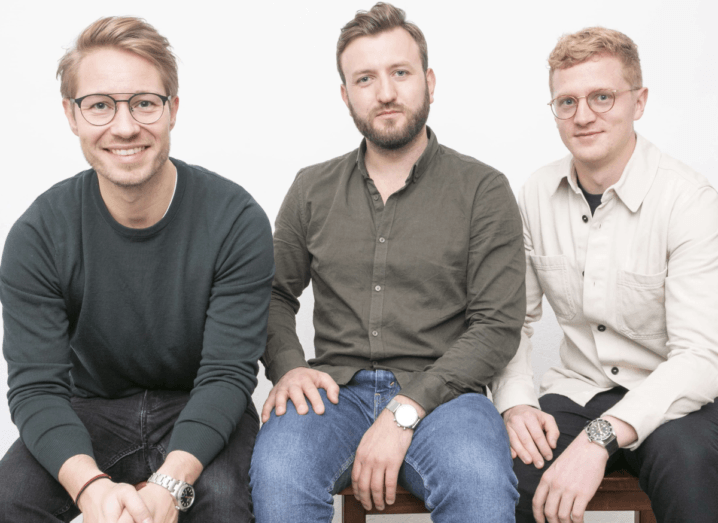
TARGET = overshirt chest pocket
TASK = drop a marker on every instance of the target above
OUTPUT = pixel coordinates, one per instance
(641, 305)
(553, 275)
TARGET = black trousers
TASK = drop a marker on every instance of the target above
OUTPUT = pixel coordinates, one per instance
(129, 438)
(677, 465)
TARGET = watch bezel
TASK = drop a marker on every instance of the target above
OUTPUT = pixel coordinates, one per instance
(406, 416)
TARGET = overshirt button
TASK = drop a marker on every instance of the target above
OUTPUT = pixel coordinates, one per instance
(614, 370)
(584, 218)
(374, 363)
(382, 240)
(602, 328)
(583, 273)
(374, 333)
(377, 288)
(375, 197)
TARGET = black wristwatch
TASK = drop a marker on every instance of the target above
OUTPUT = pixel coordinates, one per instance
(601, 432)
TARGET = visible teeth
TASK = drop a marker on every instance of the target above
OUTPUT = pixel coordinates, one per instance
(126, 152)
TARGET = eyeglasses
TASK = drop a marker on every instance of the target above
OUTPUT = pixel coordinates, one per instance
(100, 109)
(601, 101)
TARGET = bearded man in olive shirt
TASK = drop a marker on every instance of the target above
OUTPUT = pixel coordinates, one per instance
(415, 255)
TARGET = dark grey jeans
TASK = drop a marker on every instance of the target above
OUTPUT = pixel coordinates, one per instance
(130, 437)
(677, 465)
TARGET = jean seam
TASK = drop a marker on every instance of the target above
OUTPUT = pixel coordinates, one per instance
(341, 471)
(117, 457)
(64, 508)
(427, 493)
(143, 430)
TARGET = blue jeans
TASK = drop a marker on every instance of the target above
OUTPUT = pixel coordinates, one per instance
(129, 438)
(459, 462)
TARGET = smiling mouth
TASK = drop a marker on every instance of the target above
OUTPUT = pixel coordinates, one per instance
(127, 152)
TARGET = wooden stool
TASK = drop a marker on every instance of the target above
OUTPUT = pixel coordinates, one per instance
(618, 491)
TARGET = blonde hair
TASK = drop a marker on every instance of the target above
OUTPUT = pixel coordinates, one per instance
(128, 33)
(576, 48)
(380, 18)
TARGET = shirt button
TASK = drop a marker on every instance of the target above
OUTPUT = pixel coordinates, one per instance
(584, 218)
(614, 370)
(377, 288)
(374, 363)
(375, 197)
(382, 240)
(374, 333)
(583, 273)
(602, 328)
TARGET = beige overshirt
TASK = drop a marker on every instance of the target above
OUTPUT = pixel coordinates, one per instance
(634, 288)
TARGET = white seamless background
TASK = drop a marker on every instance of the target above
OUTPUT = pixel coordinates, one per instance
(260, 95)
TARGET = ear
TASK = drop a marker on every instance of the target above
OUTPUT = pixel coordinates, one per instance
(641, 101)
(69, 108)
(174, 107)
(345, 95)
(431, 83)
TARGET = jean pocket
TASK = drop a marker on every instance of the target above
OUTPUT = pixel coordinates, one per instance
(641, 305)
(553, 275)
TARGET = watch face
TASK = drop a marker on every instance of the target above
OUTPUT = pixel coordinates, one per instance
(406, 415)
(186, 497)
(599, 430)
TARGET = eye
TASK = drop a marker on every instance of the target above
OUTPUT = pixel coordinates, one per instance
(401, 73)
(565, 101)
(363, 80)
(99, 106)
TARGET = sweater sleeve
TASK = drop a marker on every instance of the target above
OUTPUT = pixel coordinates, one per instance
(36, 346)
(234, 338)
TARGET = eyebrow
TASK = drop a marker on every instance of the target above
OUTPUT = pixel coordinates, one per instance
(364, 72)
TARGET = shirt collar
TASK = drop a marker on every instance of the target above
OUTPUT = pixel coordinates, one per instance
(635, 181)
(421, 165)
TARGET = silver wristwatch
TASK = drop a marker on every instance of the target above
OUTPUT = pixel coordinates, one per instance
(405, 415)
(601, 432)
(181, 491)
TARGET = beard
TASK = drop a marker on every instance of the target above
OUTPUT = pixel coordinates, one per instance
(394, 137)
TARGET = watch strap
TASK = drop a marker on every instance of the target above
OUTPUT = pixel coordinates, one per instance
(174, 486)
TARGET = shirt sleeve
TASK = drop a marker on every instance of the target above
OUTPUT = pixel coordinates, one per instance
(496, 302)
(513, 385)
(36, 346)
(284, 351)
(233, 340)
(687, 379)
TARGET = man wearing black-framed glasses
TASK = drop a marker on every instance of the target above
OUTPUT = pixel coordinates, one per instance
(623, 241)
(135, 298)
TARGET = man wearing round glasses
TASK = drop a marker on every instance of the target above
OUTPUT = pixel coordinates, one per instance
(135, 297)
(623, 241)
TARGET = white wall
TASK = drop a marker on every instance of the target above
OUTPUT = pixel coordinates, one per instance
(270, 69)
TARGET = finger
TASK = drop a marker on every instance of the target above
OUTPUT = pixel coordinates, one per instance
(135, 505)
(539, 501)
(551, 429)
(363, 487)
(539, 438)
(565, 507)
(280, 401)
(390, 480)
(550, 508)
(328, 384)
(528, 443)
(377, 488)
(579, 508)
(296, 394)
(517, 449)
(312, 394)
(268, 405)
(125, 517)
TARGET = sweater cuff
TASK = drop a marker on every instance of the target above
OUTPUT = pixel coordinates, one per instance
(58, 449)
(203, 442)
(285, 362)
(428, 390)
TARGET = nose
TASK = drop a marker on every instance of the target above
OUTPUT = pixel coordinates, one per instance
(584, 114)
(387, 90)
(123, 124)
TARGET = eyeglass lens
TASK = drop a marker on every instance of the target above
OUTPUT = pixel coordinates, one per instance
(564, 107)
(99, 109)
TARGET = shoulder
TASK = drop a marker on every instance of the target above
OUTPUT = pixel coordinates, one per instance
(677, 173)
(455, 164)
(547, 178)
(325, 172)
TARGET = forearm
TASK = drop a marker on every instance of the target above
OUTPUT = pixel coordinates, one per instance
(182, 466)
(76, 472)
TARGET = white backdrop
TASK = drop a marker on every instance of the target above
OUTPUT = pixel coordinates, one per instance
(270, 69)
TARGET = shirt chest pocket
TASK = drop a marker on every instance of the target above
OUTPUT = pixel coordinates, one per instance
(641, 305)
(553, 275)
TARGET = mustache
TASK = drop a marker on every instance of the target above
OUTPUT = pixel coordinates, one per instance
(389, 107)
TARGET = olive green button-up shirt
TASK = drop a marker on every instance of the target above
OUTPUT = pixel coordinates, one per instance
(429, 285)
